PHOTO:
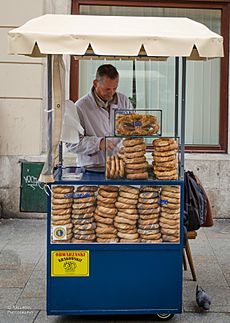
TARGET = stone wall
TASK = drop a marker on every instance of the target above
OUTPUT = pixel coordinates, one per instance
(213, 170)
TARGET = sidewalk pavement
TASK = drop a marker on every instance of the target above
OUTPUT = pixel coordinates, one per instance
(23, 276)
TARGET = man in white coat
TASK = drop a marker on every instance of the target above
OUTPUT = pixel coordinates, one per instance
(96, 114)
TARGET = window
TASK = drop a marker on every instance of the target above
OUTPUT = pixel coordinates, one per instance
(206, 98)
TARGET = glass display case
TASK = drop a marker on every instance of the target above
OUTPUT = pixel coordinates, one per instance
(128, 158)
(115, 214)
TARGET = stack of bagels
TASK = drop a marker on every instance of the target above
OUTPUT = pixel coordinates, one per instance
(165, 158)
(127, 214)
(149, 213)
(114, 167)
(105, 214)
(111, 213)
(83, 214)
(62, 201)
(136, 166)
(170, 213)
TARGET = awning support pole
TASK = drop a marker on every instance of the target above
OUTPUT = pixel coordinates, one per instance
(50, 114)
(183, 103)
(60, 160)
(176, 95)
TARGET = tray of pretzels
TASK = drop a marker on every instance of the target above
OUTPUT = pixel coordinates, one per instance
(137, 123)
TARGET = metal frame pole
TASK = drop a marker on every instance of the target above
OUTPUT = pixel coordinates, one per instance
(183, 103)
(60, 160)
(49, 118)
(176, 95)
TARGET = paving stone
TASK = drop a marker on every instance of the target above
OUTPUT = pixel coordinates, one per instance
(214, 309)
(221, 249)
(34, 303)
(9, 259)
(226, 273)
(16, 278)
(143, 319)
(41, 265)
(3, 242)
(43, 318)
(219, 296)
(189, 293)
(220, 225)
(209, 272)
(220, 233)
(36, 285)
(205, 317)
(9, 297)
(25, 253)
(17, 230)
(22, 315)
(201, 248)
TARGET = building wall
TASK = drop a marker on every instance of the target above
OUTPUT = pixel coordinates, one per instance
(213, 170)
(21, 80)
(23, 130)
(22, 100)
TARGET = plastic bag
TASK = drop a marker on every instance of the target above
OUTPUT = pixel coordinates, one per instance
(71, 126)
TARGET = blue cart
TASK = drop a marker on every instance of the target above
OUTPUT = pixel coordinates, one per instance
(116, 278)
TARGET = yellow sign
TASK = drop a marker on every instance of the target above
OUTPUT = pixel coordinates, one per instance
(70, 263)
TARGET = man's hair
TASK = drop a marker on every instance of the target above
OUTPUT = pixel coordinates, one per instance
(107, 70)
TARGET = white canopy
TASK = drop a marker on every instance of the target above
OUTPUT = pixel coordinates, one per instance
(115, 36)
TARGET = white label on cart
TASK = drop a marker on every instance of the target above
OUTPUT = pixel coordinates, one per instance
(59, 232)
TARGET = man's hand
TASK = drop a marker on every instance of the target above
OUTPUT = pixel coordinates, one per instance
(110, 145)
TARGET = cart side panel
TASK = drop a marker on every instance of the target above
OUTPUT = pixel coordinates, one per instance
(121, 282)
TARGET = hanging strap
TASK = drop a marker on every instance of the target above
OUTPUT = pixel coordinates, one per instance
(58, 69)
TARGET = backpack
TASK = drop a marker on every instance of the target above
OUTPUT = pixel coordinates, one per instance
(195, 202)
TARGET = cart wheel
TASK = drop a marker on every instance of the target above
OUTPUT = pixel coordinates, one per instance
(164, 316)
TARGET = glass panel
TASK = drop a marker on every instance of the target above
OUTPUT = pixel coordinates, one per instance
(115, 214)
(127, 158)
(155, 80)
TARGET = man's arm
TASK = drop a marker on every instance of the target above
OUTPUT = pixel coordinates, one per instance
(88, 145)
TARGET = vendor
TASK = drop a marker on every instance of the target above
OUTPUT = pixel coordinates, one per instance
(96, 114)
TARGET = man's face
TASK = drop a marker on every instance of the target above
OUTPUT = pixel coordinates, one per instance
(106, 87)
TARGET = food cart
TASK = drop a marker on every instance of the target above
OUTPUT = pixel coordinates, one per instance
(138, 271)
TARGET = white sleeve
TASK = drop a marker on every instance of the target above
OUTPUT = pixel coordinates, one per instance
(88, 145)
